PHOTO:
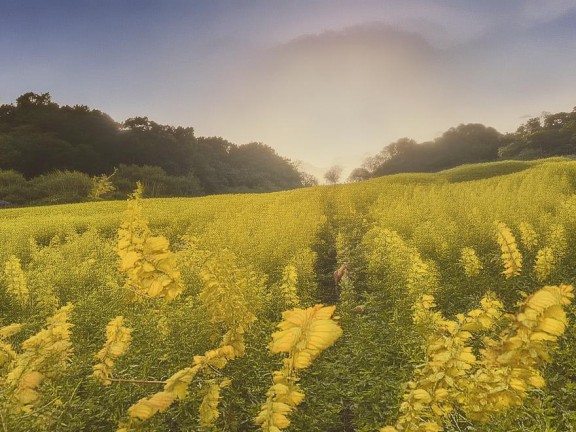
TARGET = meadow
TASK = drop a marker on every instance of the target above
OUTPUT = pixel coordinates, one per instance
(455, 314)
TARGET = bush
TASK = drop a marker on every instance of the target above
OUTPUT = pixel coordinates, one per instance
(156, 182)
(61, 187)
(13, 187)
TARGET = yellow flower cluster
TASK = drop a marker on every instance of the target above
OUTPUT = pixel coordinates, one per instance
(16, 280)
(230, 295)
(528, 235)
(7, 354)
(387, 253)
(101, 185)
(557, 240)
(470, 262)
(545, 263)
(176, 387)
(149, 265)
(500, 378)
(549, 256)
(511, 257)
(433, 393)
(303, 335)
(209, 406)
(288, 286)
(44, 355)
(510, 365)
(118, 340)
(422, 276)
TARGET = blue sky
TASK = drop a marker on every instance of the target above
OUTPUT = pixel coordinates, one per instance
(321, 81)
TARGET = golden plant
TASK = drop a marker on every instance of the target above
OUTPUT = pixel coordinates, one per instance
(433, 393)
(146, 260)
(545, 263)
(557, 240)
(303, 335)
(209, 406)
(387, 251)
(528, 236)
(509, 365)
(101, 185)
(44, 355)
(288, 286)
(7, 354)
(118, 340)
(500, 378)
(511, 257)
(16, 280)
(230, 296)
(470, 262)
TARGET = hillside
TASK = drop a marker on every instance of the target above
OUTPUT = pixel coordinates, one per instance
(539, 137)
(465, 239)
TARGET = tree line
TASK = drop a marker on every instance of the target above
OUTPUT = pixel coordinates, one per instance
(45, 147)
(539, 137)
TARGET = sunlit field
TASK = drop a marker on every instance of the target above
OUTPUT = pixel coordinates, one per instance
(453, 308)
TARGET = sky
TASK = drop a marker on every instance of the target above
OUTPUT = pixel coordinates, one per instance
(323, 82)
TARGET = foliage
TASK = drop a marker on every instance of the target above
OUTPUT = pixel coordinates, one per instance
(539, 137)
(494, 382)
(303, 335)
(38, 137)
(332, 176)
(16, 281)
(101, 185)
(44, 356)
(511, 256)
(200, 363)
(147, 261)
(118, 340)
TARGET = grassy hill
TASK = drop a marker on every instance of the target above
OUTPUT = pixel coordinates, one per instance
(403, 236)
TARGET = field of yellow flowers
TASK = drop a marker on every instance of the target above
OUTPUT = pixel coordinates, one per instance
(453, 309)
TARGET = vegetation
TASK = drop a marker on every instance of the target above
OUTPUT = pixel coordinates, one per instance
(49, 152)
(540, 137)
(455, 313)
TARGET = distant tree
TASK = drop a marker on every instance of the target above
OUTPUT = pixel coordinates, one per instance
(38, 137)
(466, 143)
(333, 174)
(308, 179)
(545, 136)
(359, 174)
(34, 99)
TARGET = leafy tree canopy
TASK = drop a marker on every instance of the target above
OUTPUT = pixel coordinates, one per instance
(545, 136)
(37, 137)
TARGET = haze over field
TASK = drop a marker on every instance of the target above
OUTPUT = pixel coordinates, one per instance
(324, 81)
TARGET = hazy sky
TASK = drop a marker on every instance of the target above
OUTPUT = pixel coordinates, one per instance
(321, 81)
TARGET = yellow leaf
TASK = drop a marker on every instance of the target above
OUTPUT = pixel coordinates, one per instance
(128, 260)
(423, 395)
(32, 380)
(537, 381)
(552, 326)
(140, 410)
(154, 244)
(27, 396)
(10, 330)
(161, 400)
(541, 300)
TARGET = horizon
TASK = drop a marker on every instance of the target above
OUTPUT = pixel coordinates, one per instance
(325, 83)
